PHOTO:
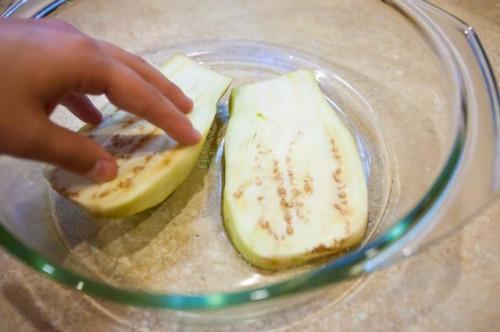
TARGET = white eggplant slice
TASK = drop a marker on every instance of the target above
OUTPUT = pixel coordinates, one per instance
(294, 182)
(151, 164)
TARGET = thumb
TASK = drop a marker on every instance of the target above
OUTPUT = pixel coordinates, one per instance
(75, 153)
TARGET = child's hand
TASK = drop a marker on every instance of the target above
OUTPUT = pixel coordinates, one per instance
(46, 63)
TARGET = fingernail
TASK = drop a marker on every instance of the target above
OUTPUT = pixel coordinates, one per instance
(102, 171)
(196, 136)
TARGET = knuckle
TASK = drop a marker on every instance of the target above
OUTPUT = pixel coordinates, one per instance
(151, 104)
(86, 44)
(88, 49)
(104, 65)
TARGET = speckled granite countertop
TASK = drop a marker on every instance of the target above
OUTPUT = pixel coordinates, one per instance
(458, 285)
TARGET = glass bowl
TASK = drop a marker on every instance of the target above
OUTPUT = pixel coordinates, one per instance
(410, 81)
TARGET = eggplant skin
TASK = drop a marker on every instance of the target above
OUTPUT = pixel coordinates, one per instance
(294, 189)
(151, 165)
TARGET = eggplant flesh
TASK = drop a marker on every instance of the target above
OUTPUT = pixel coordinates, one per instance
(294, 182)
(151, 165)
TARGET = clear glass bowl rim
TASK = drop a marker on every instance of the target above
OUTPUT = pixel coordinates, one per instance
(350, 265)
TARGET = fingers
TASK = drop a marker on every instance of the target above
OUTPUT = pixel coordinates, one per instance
(82, 107)
(127, 90)
(90, 69)
(94, 72)
(59, 24)
(151, 75)
(73, 152)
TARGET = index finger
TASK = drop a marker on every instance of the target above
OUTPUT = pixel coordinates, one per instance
(128, 91)
(96, 73)
(151, 75)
